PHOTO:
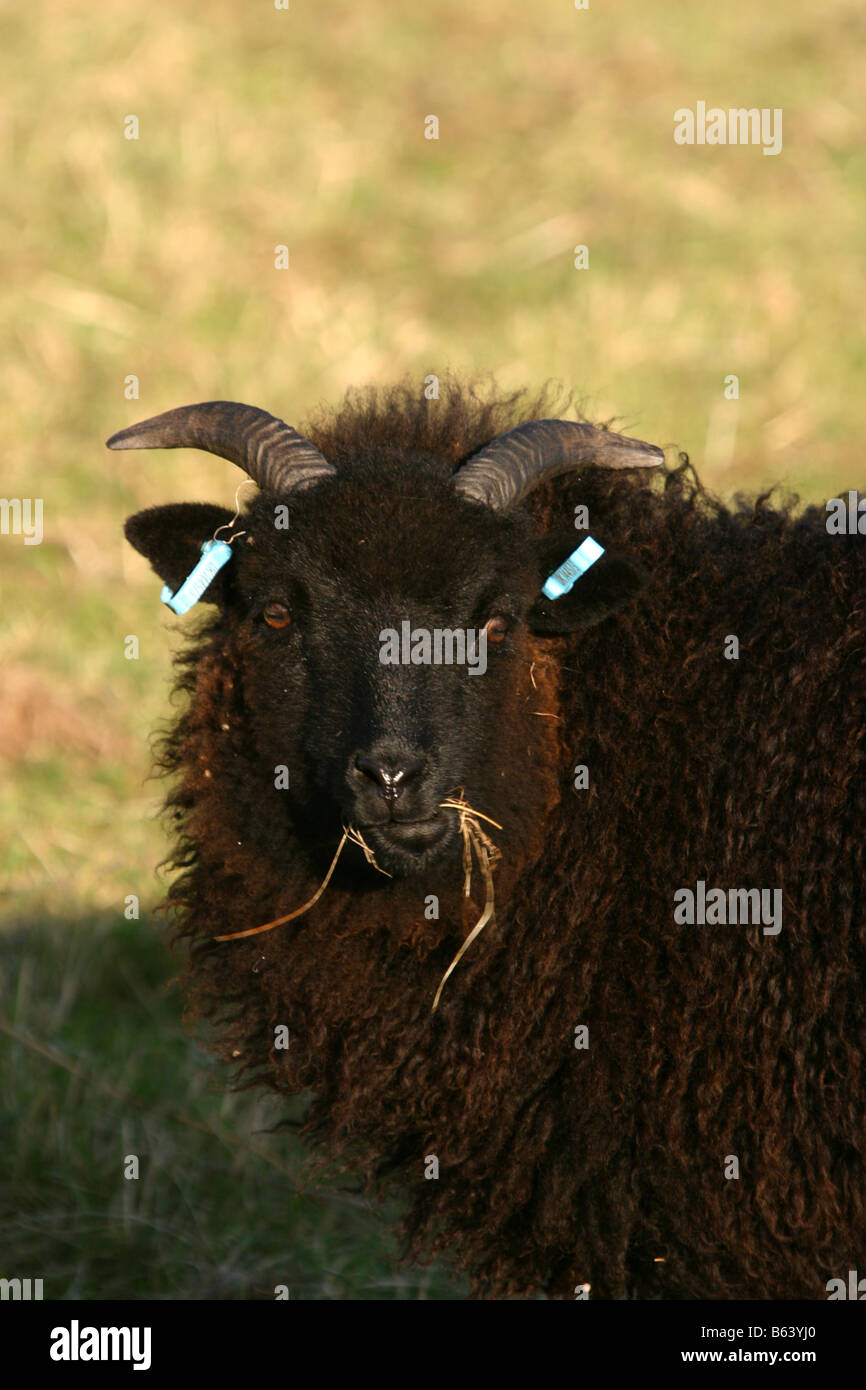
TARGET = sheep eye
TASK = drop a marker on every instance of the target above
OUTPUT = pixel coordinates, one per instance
(496, 628)
(277, 615)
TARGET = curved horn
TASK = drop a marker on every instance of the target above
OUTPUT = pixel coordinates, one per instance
(510, 466)
(273, 454)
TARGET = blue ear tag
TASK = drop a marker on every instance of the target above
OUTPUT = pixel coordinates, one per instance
(578, 562)
(214, 555)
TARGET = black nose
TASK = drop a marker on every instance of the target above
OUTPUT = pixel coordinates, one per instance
(392, 777)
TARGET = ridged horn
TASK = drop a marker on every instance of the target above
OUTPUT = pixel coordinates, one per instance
(510, 466)
(273, 454)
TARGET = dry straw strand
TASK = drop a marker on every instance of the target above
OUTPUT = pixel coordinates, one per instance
(299, 911)
(358, 839)
(488, 855)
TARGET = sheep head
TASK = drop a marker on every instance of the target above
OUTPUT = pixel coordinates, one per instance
(341, 577)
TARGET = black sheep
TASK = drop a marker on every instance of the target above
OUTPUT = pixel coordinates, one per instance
(615, 1095)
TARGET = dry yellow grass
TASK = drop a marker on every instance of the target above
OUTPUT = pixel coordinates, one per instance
(258, 127)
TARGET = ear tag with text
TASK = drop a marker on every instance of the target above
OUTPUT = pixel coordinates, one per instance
(214, 554)
(565, 577)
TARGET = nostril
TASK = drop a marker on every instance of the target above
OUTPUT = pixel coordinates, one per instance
(391, 779)
(370, 767)
(411, 770)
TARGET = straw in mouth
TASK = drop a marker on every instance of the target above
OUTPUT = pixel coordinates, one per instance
(475, 840)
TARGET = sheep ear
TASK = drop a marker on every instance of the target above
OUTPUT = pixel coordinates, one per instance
(171, 538)
(605, 587)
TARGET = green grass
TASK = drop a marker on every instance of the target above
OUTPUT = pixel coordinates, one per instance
(155, 258)
(97, 1069)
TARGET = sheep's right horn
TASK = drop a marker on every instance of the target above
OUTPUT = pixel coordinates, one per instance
(273, 454)
(510, 466)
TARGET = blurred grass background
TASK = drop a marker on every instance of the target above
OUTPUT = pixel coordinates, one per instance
(154, 258)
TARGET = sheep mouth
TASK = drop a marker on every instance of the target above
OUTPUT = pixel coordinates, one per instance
(404, 841)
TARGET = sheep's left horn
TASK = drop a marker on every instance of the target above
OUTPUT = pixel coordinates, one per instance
(273, 454)
(510, 466)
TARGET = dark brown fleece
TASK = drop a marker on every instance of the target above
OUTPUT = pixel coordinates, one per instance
(559, 1165)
